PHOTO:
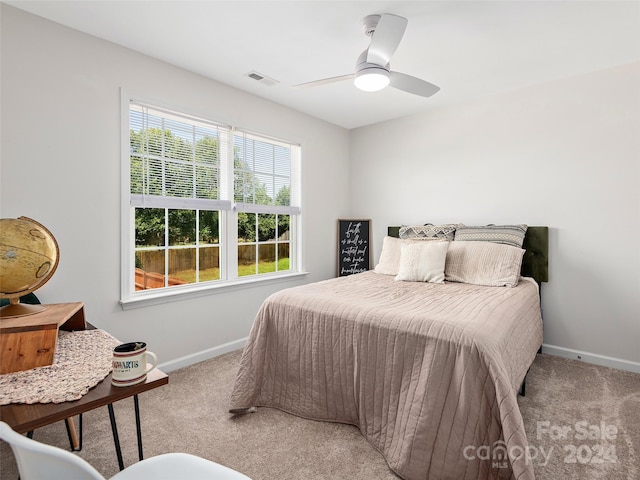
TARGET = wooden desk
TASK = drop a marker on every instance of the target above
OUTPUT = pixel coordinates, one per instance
(25, 418)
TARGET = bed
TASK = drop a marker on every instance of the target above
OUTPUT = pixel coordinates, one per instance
(429, 372)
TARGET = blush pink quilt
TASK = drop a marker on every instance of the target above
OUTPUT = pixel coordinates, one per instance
(429, 373)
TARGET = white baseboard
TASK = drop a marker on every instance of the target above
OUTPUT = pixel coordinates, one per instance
(594, 358)
(201, 356)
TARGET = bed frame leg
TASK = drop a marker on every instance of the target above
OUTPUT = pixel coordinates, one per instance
(523, 386)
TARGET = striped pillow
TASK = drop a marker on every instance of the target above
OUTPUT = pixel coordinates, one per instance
(508, 234)
(483, 263)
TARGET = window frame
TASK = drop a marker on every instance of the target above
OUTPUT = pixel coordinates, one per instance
(228, 218)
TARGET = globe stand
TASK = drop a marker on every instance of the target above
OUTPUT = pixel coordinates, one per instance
(17, 309)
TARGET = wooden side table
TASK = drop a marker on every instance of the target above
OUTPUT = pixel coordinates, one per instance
(25, 418)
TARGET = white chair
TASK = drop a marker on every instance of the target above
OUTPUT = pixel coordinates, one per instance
(37, 461)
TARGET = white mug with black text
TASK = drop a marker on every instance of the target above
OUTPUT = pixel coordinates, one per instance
(131, 363)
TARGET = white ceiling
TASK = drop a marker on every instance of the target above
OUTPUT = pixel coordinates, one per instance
(470, 49)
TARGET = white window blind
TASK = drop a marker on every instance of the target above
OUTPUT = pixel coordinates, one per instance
(176, 161)
(263, 175)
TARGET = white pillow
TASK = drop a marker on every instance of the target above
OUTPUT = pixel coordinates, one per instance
(483, 263)
(422, 262)
(389, 257)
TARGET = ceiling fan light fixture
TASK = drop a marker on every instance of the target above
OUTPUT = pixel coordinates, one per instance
(373, 66)
(372, 79)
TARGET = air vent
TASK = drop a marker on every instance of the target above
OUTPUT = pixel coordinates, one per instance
(258, 77)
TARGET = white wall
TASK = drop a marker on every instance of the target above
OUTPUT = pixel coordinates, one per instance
(564, 154)
(60, 164)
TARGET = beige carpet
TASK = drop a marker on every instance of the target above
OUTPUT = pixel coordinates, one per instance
(190, 415)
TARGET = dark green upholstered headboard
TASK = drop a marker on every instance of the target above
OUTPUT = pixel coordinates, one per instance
(535, 262)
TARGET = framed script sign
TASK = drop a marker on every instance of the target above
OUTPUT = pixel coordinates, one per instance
(354, 248)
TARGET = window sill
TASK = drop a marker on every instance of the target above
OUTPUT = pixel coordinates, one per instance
(156, 297)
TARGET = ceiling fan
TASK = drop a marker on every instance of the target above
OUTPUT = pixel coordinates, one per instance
(373, 71)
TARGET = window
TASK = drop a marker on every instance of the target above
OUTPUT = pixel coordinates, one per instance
(208, 205)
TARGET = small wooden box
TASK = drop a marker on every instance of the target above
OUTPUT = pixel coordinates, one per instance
(30, 341)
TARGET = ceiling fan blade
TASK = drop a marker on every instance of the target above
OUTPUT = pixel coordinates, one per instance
(386, 38)
(411, 84)
(324, 81)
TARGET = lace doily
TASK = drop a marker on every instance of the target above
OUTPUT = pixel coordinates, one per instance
(82, 360)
